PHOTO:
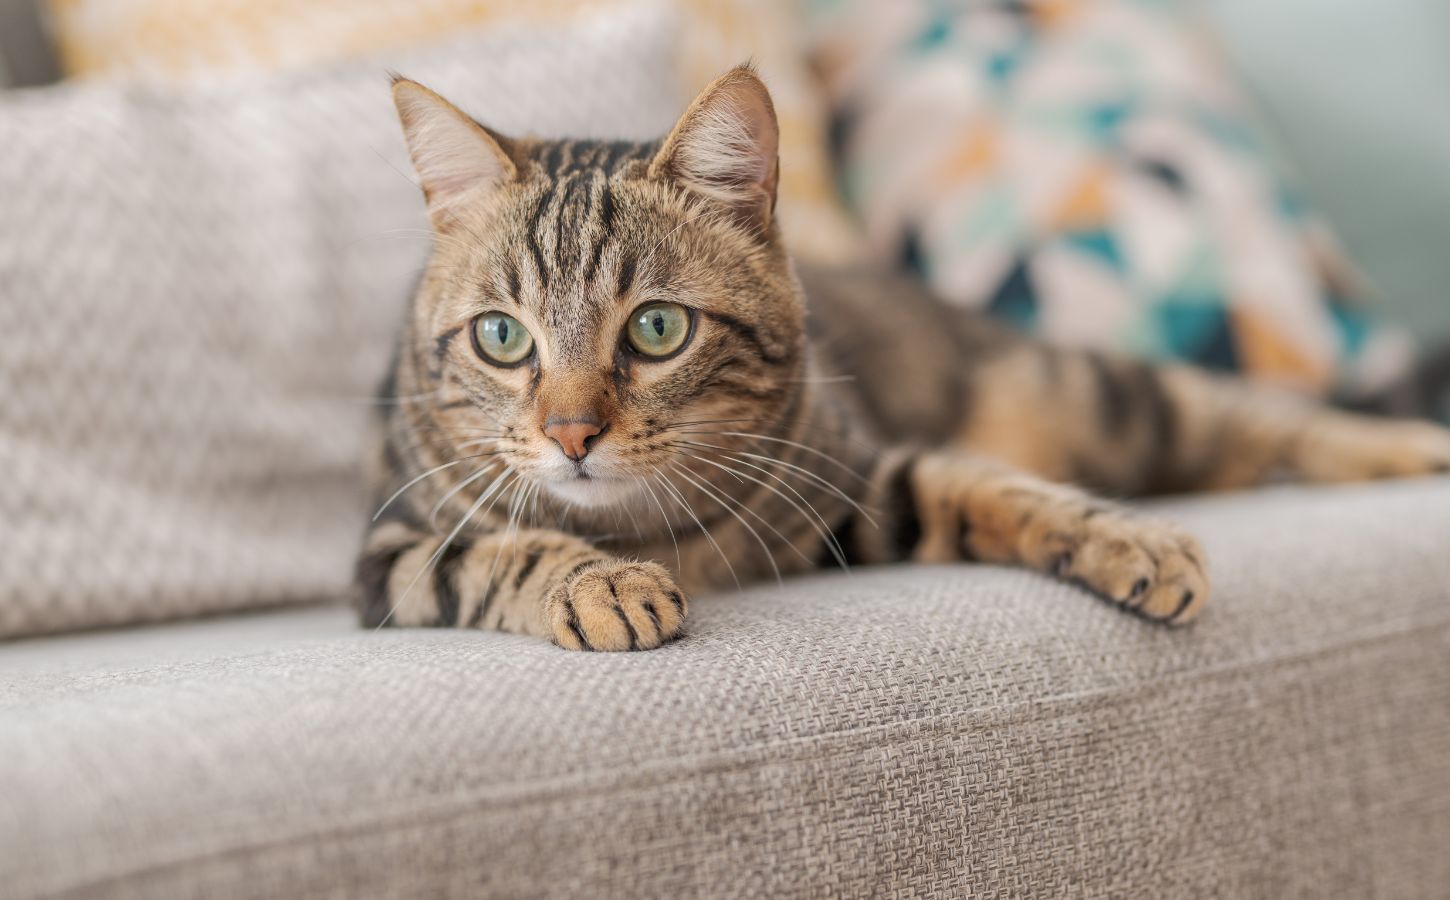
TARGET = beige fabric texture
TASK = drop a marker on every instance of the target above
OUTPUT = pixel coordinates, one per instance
(198, 290)
(915, 732)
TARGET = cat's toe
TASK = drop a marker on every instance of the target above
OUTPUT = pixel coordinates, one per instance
(617, 606)
(1151, 568)
(1178, 591)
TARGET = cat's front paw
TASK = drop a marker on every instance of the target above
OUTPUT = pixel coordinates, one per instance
(1150, 567)
(616, 605)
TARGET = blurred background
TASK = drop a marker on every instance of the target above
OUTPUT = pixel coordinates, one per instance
(210, 229)
(1348, 100)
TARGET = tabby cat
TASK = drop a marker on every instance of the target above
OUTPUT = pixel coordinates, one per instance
(614, 390)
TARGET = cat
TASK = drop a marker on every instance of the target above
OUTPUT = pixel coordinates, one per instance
(614, 391)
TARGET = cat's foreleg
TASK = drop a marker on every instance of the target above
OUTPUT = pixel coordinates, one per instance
(532, 581)
(940, 506)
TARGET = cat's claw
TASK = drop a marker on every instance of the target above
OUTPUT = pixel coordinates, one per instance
(616, 605)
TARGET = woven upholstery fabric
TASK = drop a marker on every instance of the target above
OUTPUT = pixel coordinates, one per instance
(198, 290)
(948, 732)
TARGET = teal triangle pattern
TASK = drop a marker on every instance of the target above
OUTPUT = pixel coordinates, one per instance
(1016, 299)
(1100, 245)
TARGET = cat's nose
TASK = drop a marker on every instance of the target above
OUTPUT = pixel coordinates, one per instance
(574, 435)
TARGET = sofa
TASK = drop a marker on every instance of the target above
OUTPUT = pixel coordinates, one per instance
(934, 731)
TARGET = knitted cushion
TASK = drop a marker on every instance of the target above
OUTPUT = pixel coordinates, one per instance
(198, 289)
(1086, 170)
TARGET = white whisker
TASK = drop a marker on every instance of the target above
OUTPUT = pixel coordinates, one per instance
(433, 560)
(669, 526)
(823, 529)
(809, 449)
(684, 504)
(399, 492)
(807, 473)
(769, 556)
(481, 472)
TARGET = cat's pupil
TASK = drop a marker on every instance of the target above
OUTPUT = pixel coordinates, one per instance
(658, 322)
(503, 332)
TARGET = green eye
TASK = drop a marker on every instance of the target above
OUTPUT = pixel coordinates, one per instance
(658, 329)
(501, 340)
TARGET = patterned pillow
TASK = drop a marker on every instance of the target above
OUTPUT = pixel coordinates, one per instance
(1086, 169)
(186, 40)
(198, 290)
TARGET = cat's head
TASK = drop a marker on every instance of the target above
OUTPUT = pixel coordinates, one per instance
(594, 312)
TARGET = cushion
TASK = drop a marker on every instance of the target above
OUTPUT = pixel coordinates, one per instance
(182, 40)
(198, 292)
(949, 731)
(1086, 170)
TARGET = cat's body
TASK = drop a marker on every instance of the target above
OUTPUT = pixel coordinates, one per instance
(612, 392)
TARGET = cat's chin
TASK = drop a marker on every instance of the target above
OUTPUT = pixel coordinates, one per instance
(592, 493)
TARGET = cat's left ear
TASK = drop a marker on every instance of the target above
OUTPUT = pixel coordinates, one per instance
(457, 160)
(727, 147)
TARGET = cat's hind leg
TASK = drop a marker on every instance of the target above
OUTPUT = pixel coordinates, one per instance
(945, 505)
(1230, 434)
(1132, 428)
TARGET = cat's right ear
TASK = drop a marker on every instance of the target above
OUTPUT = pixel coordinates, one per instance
(457, 160)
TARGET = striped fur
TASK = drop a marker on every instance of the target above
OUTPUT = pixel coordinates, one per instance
(865, 424)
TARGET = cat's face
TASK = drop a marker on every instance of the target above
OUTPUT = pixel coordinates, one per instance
(598, 317)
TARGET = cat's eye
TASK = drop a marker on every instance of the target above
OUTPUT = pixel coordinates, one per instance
(501, 340)
(658, 329)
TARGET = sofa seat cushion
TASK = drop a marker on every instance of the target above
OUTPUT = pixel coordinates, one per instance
(919, 731)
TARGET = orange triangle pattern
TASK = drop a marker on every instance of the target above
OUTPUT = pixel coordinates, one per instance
(1268, 355)
(1086, 207)
(973, 156)
(1048, 13)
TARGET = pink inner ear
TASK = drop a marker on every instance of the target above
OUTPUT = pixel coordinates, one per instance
(452, 174)
(452, 155)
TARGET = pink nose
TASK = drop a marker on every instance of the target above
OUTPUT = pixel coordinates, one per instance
(573, 436)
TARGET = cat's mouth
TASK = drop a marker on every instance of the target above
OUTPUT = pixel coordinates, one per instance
(587, 483)
(588, 490)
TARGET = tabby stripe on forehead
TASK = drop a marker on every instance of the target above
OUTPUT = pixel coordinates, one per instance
(626, 274)
(511, 276)
(550, 160)
(612, 150)
(532, 235)
(566, 201)
(606, 223)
